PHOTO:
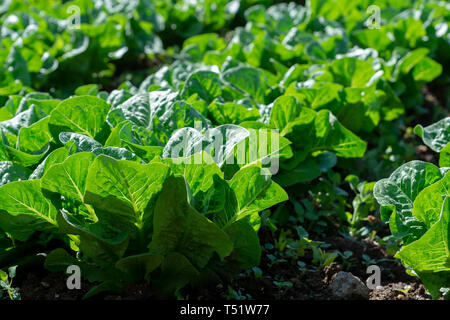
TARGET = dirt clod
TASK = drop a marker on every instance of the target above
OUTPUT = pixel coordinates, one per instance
(346, 286)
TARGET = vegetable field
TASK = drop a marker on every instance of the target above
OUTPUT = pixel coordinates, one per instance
(223, 150)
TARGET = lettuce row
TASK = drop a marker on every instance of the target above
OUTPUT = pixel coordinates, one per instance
(129, 219)
(106, 180)
(44, 41)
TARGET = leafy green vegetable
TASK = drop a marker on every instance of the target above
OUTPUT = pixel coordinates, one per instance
(24, 209)
(436, 136)
(142, 137)
(416, 195)
(85, 115)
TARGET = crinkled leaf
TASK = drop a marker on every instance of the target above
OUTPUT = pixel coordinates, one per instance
(436, 136)
(10, 172)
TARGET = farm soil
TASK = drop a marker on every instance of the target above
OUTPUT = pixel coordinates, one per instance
(306, 285)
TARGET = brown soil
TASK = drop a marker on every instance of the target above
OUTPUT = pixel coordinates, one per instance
(51, 286)
(400, 291)
(307, 284)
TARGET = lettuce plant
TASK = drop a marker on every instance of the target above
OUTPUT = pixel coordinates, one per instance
(415, 200)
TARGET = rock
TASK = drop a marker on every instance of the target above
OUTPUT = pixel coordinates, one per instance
(346, 286)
